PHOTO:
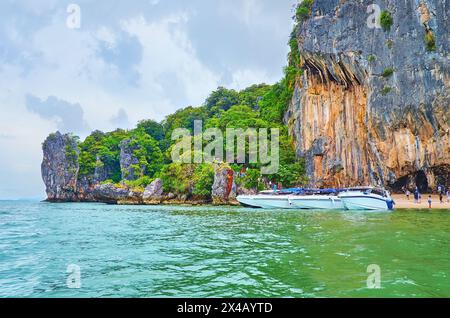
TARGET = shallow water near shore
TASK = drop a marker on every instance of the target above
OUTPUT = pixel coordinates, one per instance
(169, 251)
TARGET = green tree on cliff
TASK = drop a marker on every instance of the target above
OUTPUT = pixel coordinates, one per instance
(258, 106)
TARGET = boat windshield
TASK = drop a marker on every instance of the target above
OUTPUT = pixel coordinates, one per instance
(301, 191)
(377, 191)
(330, 191)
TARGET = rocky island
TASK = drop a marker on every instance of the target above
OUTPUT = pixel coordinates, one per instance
(61, 174)
(359, 105)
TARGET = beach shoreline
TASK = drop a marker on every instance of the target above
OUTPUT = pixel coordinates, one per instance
(401, 202)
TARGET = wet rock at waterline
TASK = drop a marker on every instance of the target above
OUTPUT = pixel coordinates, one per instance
(109, 193)
(154, 190)
(224, 188)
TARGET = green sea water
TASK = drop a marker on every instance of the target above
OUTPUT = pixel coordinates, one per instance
(129, 251)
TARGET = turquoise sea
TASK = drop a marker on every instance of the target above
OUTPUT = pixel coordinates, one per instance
(129, 251)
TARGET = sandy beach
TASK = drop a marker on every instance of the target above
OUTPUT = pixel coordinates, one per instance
(401, 202)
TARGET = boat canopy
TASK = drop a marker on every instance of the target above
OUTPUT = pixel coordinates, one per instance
(329, 191)
(367, 190)
(309, 191)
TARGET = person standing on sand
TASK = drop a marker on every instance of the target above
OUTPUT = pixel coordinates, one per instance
(448, 195)
(441, 197)
(429, 201)
(416, 196)
(407, 194)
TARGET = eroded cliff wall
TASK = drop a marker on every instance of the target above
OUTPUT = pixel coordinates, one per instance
(60, 167)
(372, 106)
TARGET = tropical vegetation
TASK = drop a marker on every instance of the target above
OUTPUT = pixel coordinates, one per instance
(258, 106)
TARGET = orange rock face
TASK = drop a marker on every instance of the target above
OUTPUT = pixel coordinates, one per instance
(373, 104)
(343, 144)
(334, 133)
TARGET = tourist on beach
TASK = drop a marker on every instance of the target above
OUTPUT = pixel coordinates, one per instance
(429, 201)
(407, 194)
(441, 197)
(448, 195)
(417, 196)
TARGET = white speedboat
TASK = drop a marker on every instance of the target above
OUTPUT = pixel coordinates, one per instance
(293, 199)
(366, 198)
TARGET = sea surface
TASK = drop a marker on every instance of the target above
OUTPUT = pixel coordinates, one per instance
(145, 251)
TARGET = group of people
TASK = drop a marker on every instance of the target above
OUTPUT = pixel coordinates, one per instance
(441, 190)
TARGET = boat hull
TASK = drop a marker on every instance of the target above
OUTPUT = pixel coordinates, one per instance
(362, 202)
(366, 198)
(266, 202)
(292, 202)
(317, 202)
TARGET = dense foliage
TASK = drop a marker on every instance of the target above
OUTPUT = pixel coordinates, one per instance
(101, 151)
(259, 106)
(388, 72)
(386, 20)
(303, 10)
(294, 68)
(430, 41)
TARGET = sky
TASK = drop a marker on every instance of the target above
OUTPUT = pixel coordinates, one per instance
(98, 65)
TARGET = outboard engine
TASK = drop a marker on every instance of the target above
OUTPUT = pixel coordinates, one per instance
(390, 204)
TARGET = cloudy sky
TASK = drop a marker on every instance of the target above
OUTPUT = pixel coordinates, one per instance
(126, 62)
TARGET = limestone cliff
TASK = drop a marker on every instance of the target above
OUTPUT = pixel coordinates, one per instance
(372, 106)
(60, 167)
(224, 187)
(60, 173)
(128, 162)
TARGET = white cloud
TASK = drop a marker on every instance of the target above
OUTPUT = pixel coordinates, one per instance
(247, 11)
(20, 146)
(245, 78)
(68, 116)
(167, 49)
(120, 120)
(107, 36)
(37, 7)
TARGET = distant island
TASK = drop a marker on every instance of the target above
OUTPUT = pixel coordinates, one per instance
(367, 107)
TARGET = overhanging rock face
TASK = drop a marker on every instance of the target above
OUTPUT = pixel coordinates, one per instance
(373, 106)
